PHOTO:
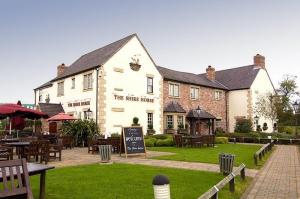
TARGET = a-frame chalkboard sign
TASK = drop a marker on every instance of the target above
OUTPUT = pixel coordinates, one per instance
(132, 141)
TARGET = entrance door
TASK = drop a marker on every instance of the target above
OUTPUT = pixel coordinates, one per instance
(198, 128)
(53, 127)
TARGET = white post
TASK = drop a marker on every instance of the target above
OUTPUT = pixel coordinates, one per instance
(161, 187)
(9, 126)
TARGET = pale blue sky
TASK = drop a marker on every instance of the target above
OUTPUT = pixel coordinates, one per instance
(36, 36)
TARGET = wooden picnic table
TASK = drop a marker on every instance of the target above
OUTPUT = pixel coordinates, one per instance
(35, 169)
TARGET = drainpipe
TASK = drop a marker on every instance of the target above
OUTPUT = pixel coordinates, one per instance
(97, 83)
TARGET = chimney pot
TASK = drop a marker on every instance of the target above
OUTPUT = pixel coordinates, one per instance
(259, 61)
(211, 73)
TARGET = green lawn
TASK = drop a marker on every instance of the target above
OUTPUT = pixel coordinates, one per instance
(244, 153)
(127, 181)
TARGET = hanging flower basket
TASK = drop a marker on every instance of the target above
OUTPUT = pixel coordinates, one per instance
(135, 66)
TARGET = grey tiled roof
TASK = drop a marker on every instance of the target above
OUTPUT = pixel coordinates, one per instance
(237, 78)
(51, 109)
(202, 115)
(95, 58)
(47, 84)
(189, 78)
(174, 107)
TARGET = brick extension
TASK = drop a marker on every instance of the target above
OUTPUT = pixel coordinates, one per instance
(279, 178)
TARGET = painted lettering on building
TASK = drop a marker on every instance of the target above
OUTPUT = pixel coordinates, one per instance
(134, 99)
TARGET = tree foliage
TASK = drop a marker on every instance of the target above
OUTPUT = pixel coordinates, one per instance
(80, 130)
(288, 93)
(243, 125)
(267, 106)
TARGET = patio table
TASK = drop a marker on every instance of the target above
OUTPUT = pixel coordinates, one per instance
(35, 169)
(19, 145)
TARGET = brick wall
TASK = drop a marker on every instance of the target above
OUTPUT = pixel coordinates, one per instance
(206, 100)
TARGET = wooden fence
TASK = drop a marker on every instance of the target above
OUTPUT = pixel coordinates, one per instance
(213, 192)
(262, 151)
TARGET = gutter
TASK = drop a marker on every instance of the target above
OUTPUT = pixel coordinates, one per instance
(97, 85)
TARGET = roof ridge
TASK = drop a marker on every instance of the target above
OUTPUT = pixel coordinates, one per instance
(178, 70)
(124, 38)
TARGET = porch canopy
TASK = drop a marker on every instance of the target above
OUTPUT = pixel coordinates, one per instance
(195, 116)
(174, 107)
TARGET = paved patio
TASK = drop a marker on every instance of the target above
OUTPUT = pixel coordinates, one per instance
(80, 156)
(279, 178)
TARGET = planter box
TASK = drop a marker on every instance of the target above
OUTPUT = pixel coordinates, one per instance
(170, 131)
(150, 132)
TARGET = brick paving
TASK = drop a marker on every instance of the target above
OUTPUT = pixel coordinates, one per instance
(80, 156)
(279, 178)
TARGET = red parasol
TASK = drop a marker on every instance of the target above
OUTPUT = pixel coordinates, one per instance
(61, 117)
(11, 110)
(18, 122)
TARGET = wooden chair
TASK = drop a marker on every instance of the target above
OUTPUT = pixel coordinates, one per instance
(6, 153)
(44, 151)
(15, 179)
(115, 144)
(67, 141)
(196, 142)
(92, 145)
(178, 140)
(32, 151)
(56, 149)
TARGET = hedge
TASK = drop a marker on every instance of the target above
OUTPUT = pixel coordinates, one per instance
(221, 140)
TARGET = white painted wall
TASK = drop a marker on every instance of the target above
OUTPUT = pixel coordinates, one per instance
(133, 83)
(262, 86)
(237, 106)
(72, 95)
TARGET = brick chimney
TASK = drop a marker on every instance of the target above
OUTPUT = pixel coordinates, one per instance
(259, 61)
(211, 73)
(61, 69)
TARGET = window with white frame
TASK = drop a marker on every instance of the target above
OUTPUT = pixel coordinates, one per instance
(173, 90)
(180, 121)
(149, 84)
(194, 93)
(150, 119)
(218, 122)
(218, 95)
(170, 123)
(73, 83)
(60, 89)
(88, 81)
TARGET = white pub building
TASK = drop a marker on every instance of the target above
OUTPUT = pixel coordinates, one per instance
(110, 85)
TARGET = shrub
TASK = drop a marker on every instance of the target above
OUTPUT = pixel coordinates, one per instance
(180, 126)
(265, 126)
(150, 126)
(243, 126)
(165, 142)
(80, 130)
(258, 128)
(170, 126)
(135, 120)
(149, 143)
(220, 130)
(221, 140)
(115, 135)
(160, 136)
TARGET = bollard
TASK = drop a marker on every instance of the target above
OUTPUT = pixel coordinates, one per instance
(161, 187)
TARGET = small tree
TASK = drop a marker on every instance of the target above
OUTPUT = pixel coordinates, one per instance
(135, 120)
(243, 125)
(267, 106)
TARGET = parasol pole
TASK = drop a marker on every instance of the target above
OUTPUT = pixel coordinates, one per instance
(9, 126)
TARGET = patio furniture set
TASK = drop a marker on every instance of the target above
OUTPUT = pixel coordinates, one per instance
(194, 141)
